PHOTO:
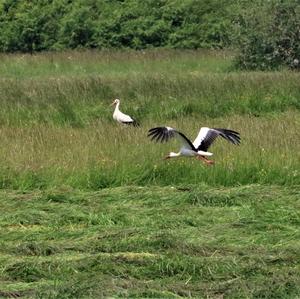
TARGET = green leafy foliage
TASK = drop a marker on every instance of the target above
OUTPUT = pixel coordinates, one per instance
(58, 24)
(29, 25)
(267, 33)
(269, 36)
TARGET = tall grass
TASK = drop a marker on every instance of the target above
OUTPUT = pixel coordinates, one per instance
(57, 127)
(105, 155)
(80, 101)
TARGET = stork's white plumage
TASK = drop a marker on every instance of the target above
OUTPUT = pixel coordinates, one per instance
(121, 117)
(200, 145)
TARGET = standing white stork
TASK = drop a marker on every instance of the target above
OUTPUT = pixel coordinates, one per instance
(121, 117)
(201, 144)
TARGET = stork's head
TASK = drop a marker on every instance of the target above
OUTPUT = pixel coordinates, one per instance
(115, 102)
(172, 155)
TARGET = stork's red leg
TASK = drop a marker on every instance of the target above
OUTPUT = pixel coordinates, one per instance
(205, 160)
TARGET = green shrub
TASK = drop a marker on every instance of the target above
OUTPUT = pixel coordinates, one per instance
(29, 26)
(269, 36)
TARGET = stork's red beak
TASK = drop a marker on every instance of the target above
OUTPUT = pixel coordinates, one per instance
(167, 157)
(113, 103)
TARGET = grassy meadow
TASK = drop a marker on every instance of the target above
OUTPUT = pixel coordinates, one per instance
(57, 127)
(89, 207)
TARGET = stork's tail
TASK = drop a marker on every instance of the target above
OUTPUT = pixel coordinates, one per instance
(231, 136)
(133, 123)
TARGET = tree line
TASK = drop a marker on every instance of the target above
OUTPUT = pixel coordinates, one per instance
(266, 33)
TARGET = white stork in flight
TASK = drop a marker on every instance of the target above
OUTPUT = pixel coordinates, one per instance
(121, 117)
(201, 144)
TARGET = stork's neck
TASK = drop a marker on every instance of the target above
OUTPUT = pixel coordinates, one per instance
(117, 107)
(173, 155)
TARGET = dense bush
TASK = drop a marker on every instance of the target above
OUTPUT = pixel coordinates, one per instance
(269, 36)
(58, 24)
(29, 25)
(267, 33)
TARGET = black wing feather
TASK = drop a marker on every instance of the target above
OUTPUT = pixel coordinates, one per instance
(207, 142)
(163, 134)
(229, 135)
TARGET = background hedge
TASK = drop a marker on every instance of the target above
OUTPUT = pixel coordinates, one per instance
(266, 33)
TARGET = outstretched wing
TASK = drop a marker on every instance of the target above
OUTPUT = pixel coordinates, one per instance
(207, 136)
(164, 134)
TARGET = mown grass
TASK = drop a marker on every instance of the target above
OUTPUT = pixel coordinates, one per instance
(166, 242)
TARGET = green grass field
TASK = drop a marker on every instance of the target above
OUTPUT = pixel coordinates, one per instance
(162, 242)
(90, 209)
